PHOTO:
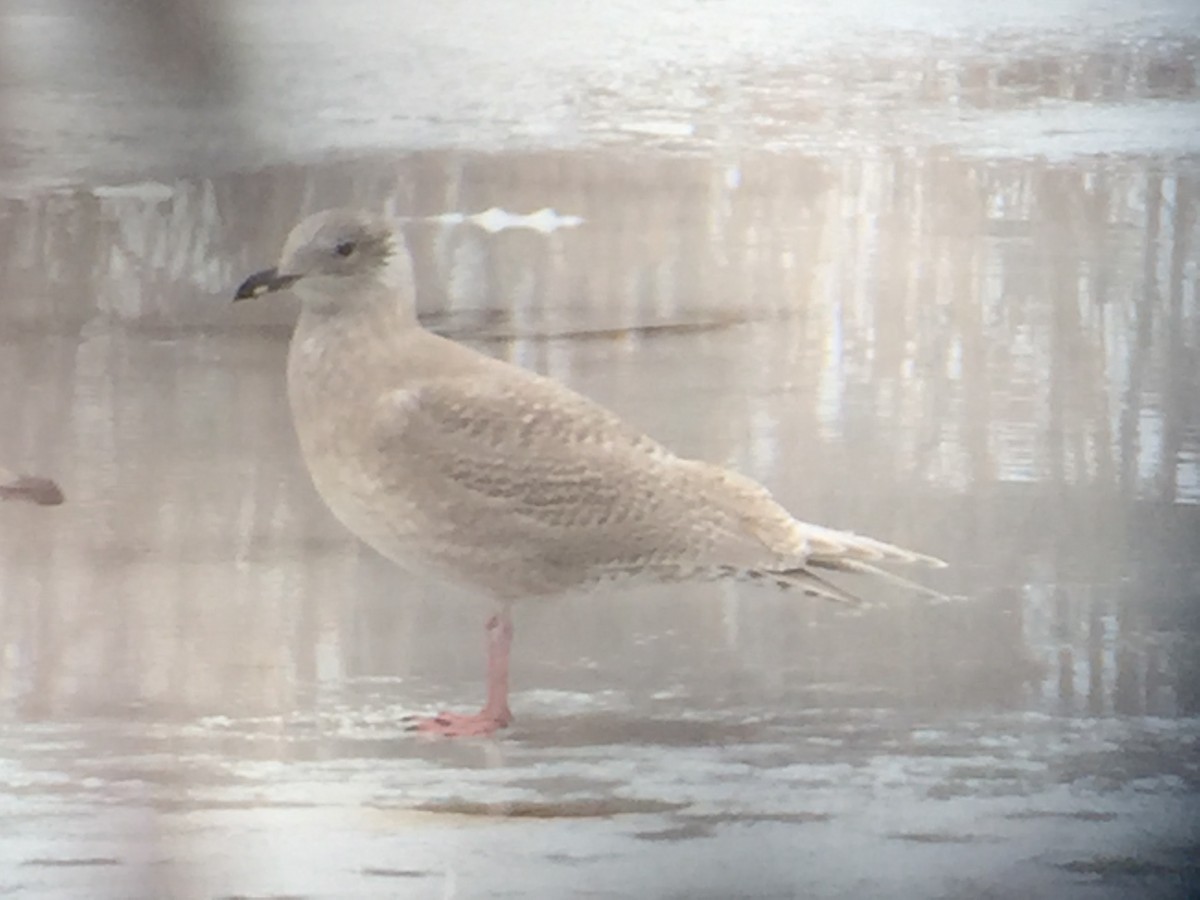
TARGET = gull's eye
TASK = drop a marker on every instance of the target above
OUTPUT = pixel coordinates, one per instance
(345, 248)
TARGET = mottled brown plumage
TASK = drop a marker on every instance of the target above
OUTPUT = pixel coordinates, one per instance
(467, 469)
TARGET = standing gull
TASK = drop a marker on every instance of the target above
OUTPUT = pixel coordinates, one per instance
(463, 468)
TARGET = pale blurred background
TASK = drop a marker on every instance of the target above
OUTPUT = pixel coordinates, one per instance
(929, 271)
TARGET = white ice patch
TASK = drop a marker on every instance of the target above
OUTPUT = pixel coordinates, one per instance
(492, 220)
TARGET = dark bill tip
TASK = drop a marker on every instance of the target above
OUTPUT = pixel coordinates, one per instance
(41, 491)
(264, 282)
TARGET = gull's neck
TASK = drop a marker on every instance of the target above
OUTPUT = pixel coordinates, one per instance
(353, 325)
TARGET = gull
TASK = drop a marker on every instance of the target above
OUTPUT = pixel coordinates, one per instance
(466, 469)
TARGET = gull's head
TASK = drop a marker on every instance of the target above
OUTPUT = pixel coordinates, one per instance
(334, 259)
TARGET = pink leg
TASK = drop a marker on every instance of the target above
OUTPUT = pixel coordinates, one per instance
(495, 713)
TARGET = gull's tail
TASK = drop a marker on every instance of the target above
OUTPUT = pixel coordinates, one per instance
(844, 551)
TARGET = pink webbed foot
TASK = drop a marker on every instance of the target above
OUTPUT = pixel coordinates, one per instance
(495, 713)
(449, 724)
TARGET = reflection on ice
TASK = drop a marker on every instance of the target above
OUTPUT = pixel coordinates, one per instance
(1007, 786)
(495, 220)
